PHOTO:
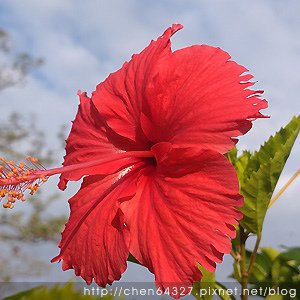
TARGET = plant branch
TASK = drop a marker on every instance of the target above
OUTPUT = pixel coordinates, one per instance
(253, 255)
(234, 255)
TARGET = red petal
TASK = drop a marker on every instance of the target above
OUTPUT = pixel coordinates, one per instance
(183, 213)
(95, 240)
(88, 141)
(199, 96)
(120, 97)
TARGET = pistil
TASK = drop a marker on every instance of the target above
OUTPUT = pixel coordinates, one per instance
(15, 179)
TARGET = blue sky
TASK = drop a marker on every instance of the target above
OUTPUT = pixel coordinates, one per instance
(83, 41)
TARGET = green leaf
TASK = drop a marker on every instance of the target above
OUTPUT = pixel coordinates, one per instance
(289, 262)
(203, 289)
(232, 155)
(270, 253)
(261, 268)
(259, 172)
(276, 270)
(223, 292)
(67, 292)
(291, 254)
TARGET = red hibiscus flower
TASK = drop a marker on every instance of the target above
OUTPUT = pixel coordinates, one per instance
(149, 144)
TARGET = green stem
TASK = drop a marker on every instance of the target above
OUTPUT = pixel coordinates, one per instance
(233, 254)
(253, 255)
(243, 264)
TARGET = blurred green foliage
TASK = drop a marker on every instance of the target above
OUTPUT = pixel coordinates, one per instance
(18, 228)
(19, 136)
(66, 292)
(14, 66)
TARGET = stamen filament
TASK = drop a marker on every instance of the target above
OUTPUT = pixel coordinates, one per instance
(117, 156)
(16, 179)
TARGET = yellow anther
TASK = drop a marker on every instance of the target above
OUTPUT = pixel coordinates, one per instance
(15, 179)
(11, 199)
